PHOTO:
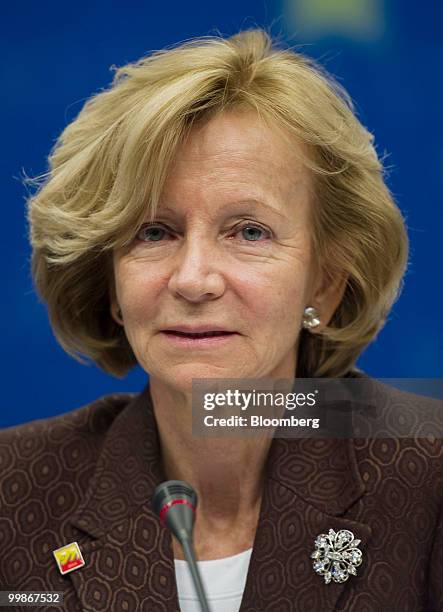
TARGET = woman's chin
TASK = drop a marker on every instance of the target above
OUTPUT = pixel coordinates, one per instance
(181, 376)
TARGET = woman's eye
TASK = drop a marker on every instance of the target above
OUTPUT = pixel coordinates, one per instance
(151, 233)
(252, 233)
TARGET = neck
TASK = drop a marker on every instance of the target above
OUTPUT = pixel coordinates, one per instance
(227, 473)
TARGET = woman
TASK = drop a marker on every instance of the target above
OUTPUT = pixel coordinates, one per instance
(222, 186)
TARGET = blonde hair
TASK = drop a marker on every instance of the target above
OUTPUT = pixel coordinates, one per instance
(108, 167)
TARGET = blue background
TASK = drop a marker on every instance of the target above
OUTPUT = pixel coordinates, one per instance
(54, 55)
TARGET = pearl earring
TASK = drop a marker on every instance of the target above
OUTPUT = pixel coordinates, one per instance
(310, 318)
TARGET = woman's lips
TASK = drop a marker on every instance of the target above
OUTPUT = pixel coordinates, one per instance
(194, 341)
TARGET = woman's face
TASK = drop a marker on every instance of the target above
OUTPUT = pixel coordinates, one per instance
(230, 249)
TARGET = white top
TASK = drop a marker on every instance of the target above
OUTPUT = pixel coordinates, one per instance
(223, 580)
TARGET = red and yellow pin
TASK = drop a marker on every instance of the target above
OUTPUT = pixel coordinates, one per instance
(68, 558)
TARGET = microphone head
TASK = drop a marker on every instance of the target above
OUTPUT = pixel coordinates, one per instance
(175, 503)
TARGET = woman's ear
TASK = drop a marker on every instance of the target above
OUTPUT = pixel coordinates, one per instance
(116, 312)
(327, 294)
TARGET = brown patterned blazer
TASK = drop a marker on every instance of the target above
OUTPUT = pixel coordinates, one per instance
(88, 476)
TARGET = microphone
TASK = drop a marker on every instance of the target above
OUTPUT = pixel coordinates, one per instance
(175, 503)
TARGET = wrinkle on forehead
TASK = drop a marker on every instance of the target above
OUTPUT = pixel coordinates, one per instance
(235, 134)
(239, 149)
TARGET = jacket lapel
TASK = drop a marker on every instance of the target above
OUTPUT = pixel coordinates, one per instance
(309, 487)
(128, 555)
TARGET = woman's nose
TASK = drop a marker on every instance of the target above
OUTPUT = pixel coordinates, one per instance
(196, 275)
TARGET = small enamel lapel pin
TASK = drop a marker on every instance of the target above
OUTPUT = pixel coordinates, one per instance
(336, 555)
(69, 558)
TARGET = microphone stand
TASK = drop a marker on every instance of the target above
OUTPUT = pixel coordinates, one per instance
(175, 502)
(188, 549)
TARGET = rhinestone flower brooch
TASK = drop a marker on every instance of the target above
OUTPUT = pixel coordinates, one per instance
(336, 555)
